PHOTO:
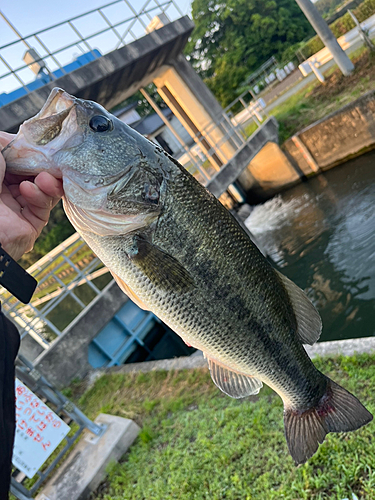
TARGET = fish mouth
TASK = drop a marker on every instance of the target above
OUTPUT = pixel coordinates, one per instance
(40, 137)
(57, 101)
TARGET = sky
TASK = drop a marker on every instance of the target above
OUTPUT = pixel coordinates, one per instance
(31, 16)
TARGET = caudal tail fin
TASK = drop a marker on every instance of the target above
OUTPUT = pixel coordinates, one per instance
(337, 411)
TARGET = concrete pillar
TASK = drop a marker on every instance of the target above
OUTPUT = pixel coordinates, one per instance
(326, 35)
(198, 110)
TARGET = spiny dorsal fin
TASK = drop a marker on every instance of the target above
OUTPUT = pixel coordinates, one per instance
(309, 323)
(233, 384)
(162, 269)
(132, 296)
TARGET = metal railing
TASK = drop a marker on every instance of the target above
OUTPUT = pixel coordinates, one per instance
(116, 24)
(69, 278)
(22, 487)
(223, 137)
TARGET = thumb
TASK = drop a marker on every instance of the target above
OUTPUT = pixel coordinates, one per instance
(5, 139)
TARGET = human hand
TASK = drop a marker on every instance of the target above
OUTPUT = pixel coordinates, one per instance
(25, 205)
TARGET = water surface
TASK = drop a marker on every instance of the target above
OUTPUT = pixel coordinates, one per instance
(321, 234)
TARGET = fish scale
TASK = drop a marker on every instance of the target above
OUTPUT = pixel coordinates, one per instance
(175, 250)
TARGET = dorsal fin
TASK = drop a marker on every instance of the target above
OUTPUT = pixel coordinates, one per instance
(234, 384)
(132, 296)
(309, 323)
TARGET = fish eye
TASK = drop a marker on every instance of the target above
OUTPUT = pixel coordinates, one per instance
(100, 123)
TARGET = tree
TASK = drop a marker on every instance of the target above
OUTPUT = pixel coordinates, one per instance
(233, 38)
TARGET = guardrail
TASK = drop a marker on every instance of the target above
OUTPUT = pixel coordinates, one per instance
(351, 38)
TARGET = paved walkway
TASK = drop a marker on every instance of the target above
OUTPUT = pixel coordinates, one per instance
(290, 86)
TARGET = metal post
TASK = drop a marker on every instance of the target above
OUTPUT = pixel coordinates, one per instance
(51, 55)
(158, 111)
(326, 35)
(316, 71)
(83, 40)
(14, 73)
(14, 29)
(129, 28)
(110, 25)
(362, 33)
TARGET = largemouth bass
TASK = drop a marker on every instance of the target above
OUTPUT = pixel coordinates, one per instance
(176, 251)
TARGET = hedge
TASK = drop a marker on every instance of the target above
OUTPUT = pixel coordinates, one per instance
(340, 27)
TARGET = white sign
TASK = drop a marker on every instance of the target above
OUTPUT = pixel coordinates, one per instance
(38, 431)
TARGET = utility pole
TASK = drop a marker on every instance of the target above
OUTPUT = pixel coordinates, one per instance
(326, 35)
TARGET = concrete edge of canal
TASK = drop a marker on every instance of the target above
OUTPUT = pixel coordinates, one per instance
(347, 347)
(331, 141)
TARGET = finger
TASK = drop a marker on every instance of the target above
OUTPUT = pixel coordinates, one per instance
(50, 186)
(21, 201)
(31, 192)
(8, 200)
(37, 223)
(39, 203)
(2, 170)
(5, 138)
(14, 189)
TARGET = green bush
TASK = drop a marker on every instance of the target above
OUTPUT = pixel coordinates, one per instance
(340, 27)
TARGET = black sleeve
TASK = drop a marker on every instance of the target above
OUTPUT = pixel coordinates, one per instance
(9, 345)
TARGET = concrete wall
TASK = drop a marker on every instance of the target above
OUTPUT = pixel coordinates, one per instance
(196, 108)
(67, 357)
(269, 172)
(260, 168)
(233, 169)
(336, 138)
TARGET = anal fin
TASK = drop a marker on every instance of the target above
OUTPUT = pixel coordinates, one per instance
(233, 384)
(132, 296)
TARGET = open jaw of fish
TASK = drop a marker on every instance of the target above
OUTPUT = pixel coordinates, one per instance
(175, 250)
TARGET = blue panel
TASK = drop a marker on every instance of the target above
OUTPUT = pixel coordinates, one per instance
(43, 79)
(118, 339)
(131, 315)
(96, 358)
(111, 337)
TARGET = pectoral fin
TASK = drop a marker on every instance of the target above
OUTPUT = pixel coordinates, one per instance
(234, 384)
(163, 270)
(132, 296)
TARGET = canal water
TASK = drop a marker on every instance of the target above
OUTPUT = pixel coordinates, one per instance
(321, 234)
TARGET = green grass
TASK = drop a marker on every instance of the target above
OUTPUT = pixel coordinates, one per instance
(199, 444)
